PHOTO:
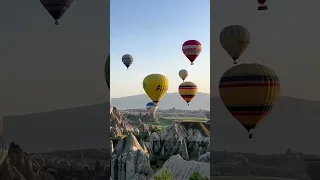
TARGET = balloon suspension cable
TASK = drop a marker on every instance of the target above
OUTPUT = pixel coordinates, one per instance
(127, 68)
(250, 135)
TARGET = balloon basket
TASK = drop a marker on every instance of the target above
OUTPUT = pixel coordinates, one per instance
(263, 8)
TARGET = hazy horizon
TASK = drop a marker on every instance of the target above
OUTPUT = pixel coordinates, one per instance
(153, 33)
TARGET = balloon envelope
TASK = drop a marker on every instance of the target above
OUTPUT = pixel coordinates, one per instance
(249, 92)
(183, 74)
(151, 107)
(56, 8)
(127, 60)
(156, 86)
(235, 39)
(192, 49)
(188, 91)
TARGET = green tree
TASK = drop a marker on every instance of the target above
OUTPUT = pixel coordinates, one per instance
(197, 176)
(164, 175)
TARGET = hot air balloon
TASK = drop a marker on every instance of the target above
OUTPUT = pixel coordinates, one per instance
(249, 92)
(156, 86)
(188, 91)
(262, 6)
(56, 8)
(151, 107)
(127, 60)
(183, 74)
(107, 71)
(235, 39)
(192, 49)
(4, 148)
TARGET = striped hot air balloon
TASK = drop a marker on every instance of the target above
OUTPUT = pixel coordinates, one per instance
(188, 91)
(127, 60)
(56, 8)
(235, 39)
(249, 92)
(4, 149)
(151, 107)
(262, 6)
(192, 49)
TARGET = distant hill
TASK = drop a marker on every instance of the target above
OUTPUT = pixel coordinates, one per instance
(293, 123)
(69, 129)
(170, 100)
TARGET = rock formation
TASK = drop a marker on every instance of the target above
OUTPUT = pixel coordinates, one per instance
(181, 138)
(182, 169)
(19, 166)
(130, 160)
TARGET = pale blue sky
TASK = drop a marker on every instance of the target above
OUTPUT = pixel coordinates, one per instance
(153, 33)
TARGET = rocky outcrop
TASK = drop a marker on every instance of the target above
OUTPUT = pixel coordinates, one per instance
(182, 169)
(120, 123)
(19, 166)
(205, 158)
(130, 160)
(186, 139)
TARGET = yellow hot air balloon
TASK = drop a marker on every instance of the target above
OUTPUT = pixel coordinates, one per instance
(107, 71)
(183, 74)
(249, 92)
(156, 86)
(235, 39)
(188, 91)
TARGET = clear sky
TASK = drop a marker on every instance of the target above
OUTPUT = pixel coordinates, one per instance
(153, 33)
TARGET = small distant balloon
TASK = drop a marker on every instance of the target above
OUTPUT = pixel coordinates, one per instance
(151, 107)
(192, 49)
(56, 8)
(188, 91)
(127, 60)
(156, 86)
(183, 74)
(235, 39)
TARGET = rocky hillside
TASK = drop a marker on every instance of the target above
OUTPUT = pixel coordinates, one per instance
(182, 169)
(64, 165)
(286, 165)
(140, 158)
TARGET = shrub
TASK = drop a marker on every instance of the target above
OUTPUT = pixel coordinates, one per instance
(164, 175)
(197, 176)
